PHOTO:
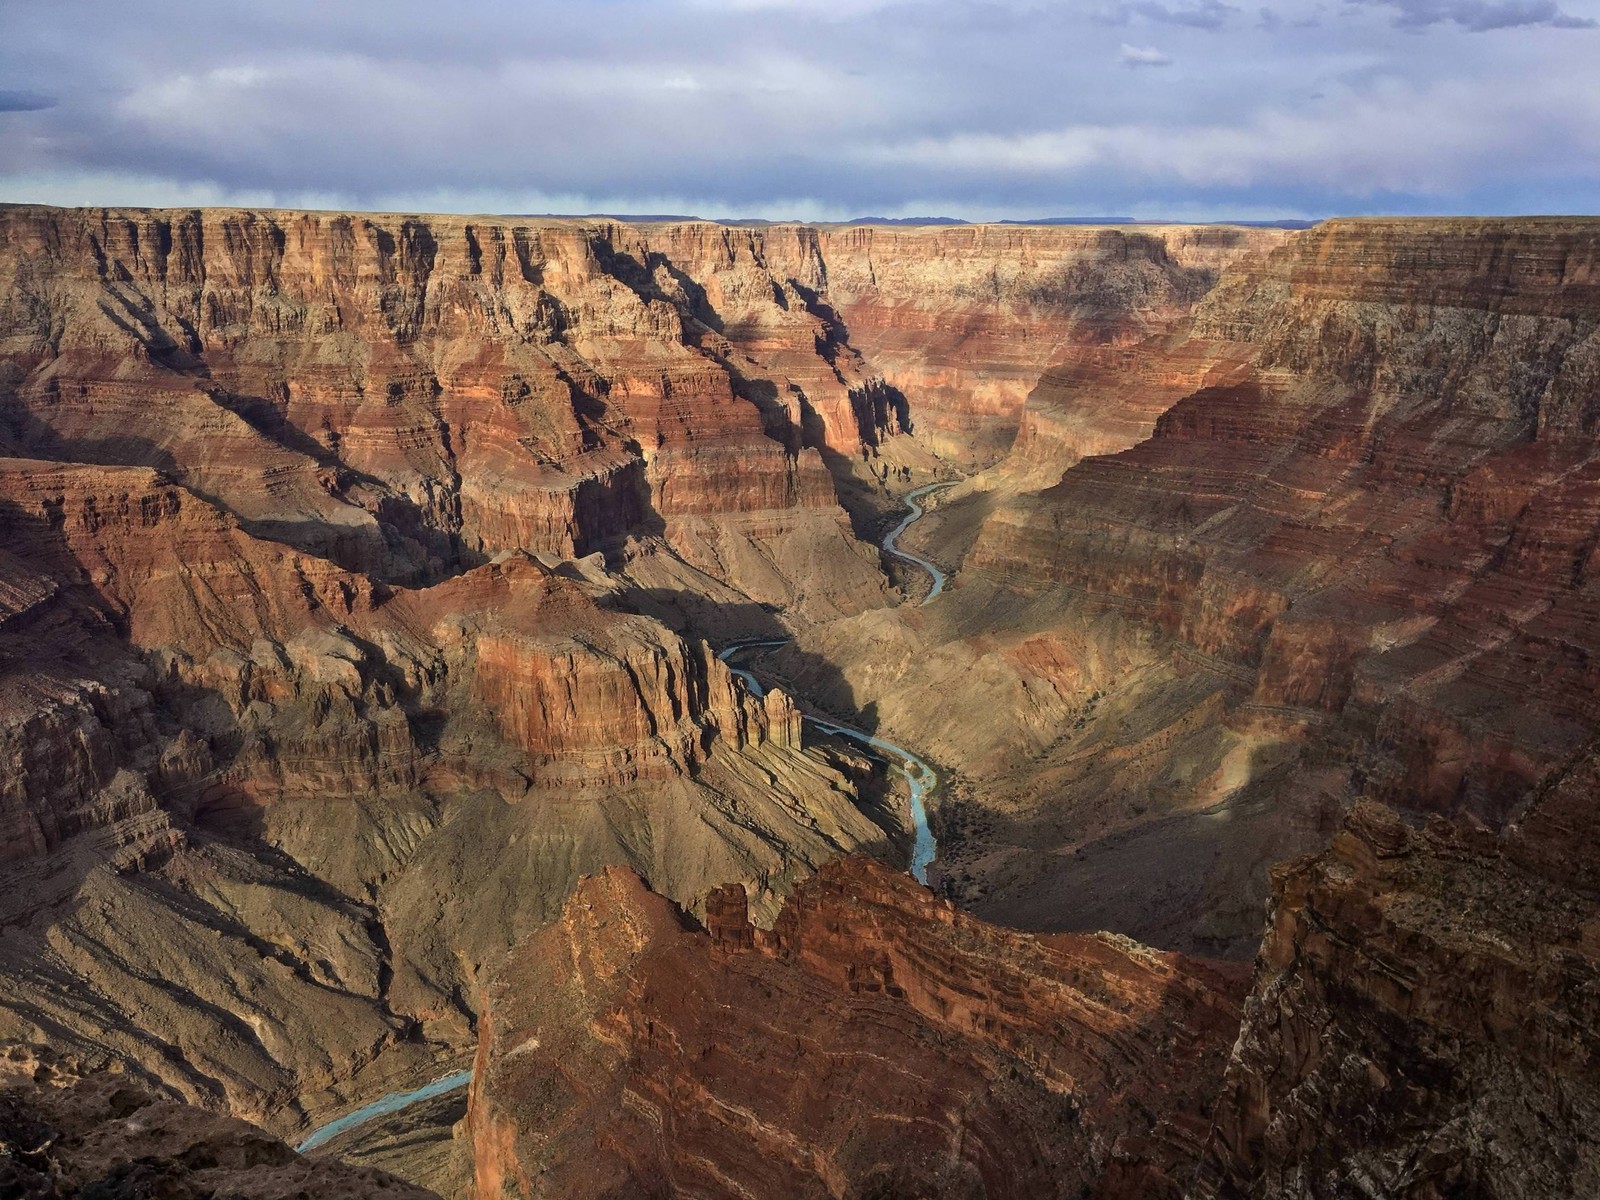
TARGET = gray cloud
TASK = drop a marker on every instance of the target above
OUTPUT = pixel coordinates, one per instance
(1197, 14)
(1273, 21)
(1480, 16)
(24, 102)
(809, 108)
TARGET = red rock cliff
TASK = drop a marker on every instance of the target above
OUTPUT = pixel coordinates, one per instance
(876, 1041)
(215, 742)
(404, 394)
(1423, 1017)
(1352, 557)
(1390, 518)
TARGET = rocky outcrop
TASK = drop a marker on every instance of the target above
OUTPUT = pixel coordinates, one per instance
(69, 1132)
(874, 1042)
(1349, 526)
(406, 396)
(620, 696)
(244, 783)
(1423, 1019)
(966, 320)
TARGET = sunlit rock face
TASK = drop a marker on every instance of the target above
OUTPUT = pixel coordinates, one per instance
(1388, 515)
(1333, 539)
(964, 321)
(256, 774)
(407, 396)
(355, 576)
(406, 393)
(873, 1042)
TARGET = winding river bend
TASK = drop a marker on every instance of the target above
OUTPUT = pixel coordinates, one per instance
(921, 777)
(891, 543)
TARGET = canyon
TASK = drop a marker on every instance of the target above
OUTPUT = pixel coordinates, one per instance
(362, 585)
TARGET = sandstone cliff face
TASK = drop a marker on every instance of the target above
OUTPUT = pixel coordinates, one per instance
(1352, 557)
(406, 396)
(1388, 514)
(1423, 1020)
(965, 321)
(882, 331)
(247, 788)
(410, 395)
(875, 1042)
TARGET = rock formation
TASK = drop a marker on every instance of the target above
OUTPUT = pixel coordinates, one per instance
(355, 580)
(244, 781)
(1429, 995)
(874, 1042)
(966, 320)
(66, 1132)
(405, 397)
(1315, 549)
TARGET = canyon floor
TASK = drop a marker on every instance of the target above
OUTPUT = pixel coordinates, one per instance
(368, 585)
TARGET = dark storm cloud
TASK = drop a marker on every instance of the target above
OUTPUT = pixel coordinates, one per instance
(1480, 16)
(24, 102)
(1197, 14)
(812, 108)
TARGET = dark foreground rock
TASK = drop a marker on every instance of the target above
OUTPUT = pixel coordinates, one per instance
(99, 1136)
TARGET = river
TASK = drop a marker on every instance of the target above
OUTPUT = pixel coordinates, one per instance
(892, 542)
(921, 777)
(392, 1103)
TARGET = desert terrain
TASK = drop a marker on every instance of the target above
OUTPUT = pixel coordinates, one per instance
(439, 644)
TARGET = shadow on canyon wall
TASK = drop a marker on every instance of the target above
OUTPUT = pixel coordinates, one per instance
(721, 624)
(121, 817)
(401, 546)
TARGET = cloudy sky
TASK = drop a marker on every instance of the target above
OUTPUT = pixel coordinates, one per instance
(816, 109)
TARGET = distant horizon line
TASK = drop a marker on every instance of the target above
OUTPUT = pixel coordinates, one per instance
(1285, 223)
(648, 218)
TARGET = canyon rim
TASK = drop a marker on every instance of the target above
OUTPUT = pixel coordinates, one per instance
(447, 645)
(784, 704)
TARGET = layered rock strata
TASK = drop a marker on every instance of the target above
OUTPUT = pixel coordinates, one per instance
(1353, 557)
(874, 1042)
(1391, 510)
(313, 699)
(407, 396)
(1423, 1018)
(965, 321)
(248, 790)
(68, 1132)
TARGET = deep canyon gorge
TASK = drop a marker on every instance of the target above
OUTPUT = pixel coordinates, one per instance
(367, 591)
